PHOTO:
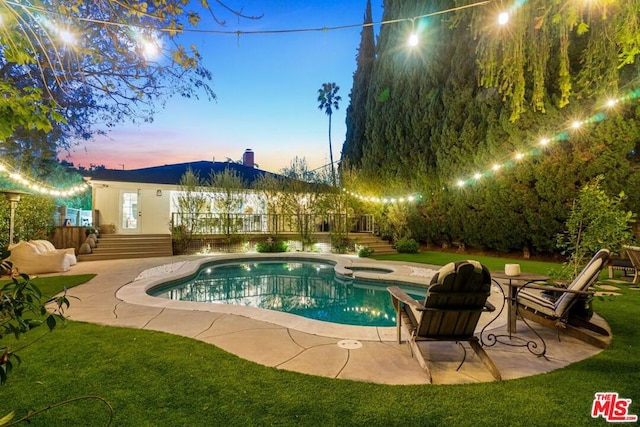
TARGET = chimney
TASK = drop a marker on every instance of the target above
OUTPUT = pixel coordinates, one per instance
(247, 158)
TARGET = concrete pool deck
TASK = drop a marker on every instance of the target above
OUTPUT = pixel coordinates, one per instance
(311, 347)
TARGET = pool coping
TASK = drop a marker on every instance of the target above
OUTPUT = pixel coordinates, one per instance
(136, 292)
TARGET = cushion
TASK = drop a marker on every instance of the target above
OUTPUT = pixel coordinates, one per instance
(85, 248)
(73, 260)
(41, 248)
(91, 242)
(582, 282)
(26, 258)
(47, 245)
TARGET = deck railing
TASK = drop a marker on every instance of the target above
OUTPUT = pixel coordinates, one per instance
(216, 224)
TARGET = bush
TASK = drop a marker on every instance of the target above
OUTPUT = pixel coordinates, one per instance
(280, 246)
(365, 252)
(23, 309)
(272, 246)
(407, 246)
(596, 221)
(340, 244)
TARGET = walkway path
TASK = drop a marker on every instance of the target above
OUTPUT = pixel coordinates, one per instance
(320, 349)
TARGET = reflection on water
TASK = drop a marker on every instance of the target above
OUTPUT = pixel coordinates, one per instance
(307, 289)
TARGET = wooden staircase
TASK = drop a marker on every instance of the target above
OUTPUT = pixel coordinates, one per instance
(122, 246)
(378, 245)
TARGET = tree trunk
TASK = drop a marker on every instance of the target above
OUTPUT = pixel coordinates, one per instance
(333, 170)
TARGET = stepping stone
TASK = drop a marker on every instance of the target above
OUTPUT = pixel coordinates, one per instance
(606, 294)
(608, 287)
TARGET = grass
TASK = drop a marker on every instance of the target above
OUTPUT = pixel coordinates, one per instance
(492, 263)
(50, 286)
(156, 379)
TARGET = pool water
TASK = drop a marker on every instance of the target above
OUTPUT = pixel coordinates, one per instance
(308, 289)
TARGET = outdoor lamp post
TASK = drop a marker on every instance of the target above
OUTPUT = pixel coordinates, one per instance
(13, 196)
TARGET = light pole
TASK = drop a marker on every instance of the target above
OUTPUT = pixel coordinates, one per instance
(13, 196)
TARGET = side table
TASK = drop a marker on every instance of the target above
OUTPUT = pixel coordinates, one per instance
(514, 283)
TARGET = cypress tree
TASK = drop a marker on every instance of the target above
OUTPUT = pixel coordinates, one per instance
(356, 111)
(434, 115)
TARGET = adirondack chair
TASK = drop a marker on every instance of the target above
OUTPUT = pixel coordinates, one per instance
(456, 298)
(633, 252)
(557, 312)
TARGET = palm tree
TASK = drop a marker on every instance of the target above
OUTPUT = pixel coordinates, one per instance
(328, 99)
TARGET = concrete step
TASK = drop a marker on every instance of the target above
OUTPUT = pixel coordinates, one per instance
(124, 246)
(378, 245)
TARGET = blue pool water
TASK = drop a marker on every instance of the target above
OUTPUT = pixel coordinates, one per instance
(308, 289)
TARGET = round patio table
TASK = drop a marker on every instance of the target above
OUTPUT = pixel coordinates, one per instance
(514, 283)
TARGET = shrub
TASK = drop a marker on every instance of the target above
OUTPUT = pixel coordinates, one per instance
(280, 246)
(272, 246)
(407, 246)
(340, 244)
(365, 251)
(596, 221)
(23, 309)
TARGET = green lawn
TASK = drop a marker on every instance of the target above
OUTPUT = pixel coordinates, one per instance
(492, 263)
(156, 379)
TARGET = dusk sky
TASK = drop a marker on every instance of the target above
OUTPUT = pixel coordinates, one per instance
(266, 86)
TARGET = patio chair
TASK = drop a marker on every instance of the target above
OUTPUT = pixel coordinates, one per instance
(557, 309)
(456, 298)
(633, 252)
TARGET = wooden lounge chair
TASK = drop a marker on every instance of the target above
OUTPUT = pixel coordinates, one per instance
(557, 312)
(633, 252)
(456, 298)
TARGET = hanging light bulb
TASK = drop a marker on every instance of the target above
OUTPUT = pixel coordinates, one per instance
(67, 37)
(611, 103)
(413, 37)
(503, 18)
(413, 40)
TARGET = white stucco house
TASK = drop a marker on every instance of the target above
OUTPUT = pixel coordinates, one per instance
(142, 201)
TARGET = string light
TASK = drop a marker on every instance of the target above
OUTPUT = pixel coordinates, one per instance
(576, 125)
(250, 32)
(384, 200)
(413, 37)
(150, 48)
(39, 187)
(413, 40)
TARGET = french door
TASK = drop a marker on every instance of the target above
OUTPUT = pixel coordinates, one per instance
(130, 216)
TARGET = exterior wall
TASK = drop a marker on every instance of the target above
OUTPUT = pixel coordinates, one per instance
(154, 210)
(105, 204)
(153, 205)
(156, 203)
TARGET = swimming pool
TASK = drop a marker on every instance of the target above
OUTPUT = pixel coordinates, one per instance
(311, 289)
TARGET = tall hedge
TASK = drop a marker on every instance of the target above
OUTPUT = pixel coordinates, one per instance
(433, 118)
